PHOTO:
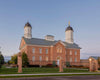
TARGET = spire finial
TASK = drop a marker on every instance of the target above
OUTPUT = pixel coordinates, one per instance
(69, 23)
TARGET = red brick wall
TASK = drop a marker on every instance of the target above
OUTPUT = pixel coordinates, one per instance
(73, 55)
(55, 55)
(52, 53)
(37, 53)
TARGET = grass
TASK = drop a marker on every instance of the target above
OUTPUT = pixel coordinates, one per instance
(38, 70)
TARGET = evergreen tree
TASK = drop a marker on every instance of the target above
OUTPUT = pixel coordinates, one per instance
(24, 60)
(54, 64)
(1, 60)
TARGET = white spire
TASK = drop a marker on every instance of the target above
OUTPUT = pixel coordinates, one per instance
(28, 30)
(69, 34)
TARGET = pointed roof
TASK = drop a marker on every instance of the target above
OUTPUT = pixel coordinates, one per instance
(69, 28)
(27, 25)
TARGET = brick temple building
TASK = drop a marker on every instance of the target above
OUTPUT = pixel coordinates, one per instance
(49, 49)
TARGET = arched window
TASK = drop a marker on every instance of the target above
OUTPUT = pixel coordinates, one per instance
(59, 49)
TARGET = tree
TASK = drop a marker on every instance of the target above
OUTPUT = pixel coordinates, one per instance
(25, 62)
(14, 59)
(99, 60)
(1, 60)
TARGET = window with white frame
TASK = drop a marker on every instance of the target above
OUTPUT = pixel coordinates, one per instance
(40, 50)
(75, 59)
(46, 51)
(70, 52)
(70, 59)
(46, 58)
(33, 58)
(40, 58)
(33, 50)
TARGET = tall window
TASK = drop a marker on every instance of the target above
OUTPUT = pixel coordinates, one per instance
(46, 51)
(75, 52)
(33, 58)
(40, 50)
(33, 50)
(70, 52)
(70, 59)
(59, 49)
(75, 59)
(40, 58)
(47, 58)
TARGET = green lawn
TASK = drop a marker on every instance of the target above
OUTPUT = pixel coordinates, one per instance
(38, 70)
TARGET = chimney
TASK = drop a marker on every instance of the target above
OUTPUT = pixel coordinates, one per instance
(49, 37)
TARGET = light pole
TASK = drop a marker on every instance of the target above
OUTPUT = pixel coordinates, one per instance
(90, 65)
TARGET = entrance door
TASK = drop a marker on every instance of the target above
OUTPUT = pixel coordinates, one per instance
(58, 62)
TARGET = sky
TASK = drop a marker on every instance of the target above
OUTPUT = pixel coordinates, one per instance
(50, 17)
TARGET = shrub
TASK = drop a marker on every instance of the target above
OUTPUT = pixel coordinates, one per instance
(49, 65)
(54, 64)
(68, 64)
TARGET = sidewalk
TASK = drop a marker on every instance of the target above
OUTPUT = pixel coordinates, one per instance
(47, 74)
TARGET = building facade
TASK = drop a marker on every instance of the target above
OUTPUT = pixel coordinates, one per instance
(48, 50)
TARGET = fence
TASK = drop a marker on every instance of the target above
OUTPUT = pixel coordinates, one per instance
(50, 67)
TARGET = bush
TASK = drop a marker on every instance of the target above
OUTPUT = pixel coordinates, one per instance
(49, 65)
(68, 64)
(54, 64)
(79, 66)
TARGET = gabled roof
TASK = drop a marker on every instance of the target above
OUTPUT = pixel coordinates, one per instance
(36, 41)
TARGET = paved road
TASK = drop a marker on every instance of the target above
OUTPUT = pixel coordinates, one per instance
(87, 77)
(47, 74)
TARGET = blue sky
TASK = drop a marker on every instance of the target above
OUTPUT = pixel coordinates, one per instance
(50, 17)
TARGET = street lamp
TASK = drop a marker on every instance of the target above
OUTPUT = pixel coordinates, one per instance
(90, 66)
(90, 59)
